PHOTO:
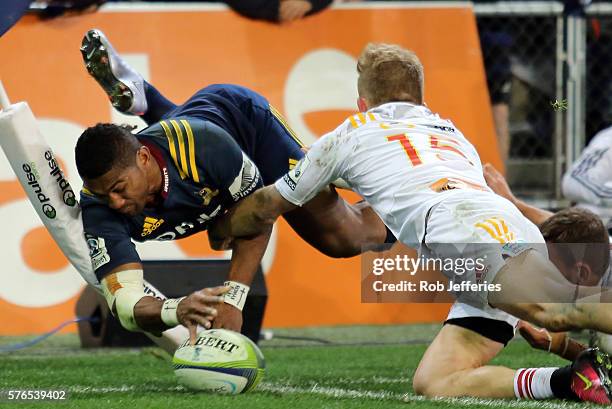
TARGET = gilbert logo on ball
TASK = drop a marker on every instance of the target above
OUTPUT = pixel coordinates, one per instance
(221, 361)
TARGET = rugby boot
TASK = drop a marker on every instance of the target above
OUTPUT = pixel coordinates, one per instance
(124, 86)
(591, 377)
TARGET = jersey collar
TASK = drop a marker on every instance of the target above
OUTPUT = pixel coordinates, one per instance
(402, 110)
(163, 168)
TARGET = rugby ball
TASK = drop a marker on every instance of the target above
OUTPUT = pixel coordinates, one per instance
(221, 361)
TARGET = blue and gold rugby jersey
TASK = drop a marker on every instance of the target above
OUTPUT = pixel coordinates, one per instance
(258, 128)
(204, 171)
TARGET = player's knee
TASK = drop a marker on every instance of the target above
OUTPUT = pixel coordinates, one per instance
(418, 384)
(424, 385)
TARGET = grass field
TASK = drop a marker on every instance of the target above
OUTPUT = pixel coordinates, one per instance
(347, 367)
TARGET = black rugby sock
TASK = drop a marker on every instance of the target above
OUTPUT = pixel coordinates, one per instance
(560, 383)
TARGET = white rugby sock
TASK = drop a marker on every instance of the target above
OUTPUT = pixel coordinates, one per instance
(533, 383)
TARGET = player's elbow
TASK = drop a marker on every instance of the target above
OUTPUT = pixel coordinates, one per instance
(267, 206)
(332, 246)
(264, 218)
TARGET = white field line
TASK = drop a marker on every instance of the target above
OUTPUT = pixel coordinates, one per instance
(409, 398)
(334, 392)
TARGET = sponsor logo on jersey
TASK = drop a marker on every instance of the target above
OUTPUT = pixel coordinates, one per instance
(32, 176)
(186, 228)
(207, 194)
(497, 228)
(97, 251)
(166, 181)
(296, 173)
(246, 182)
(289, 182)
(150, 225)
(441, 128)
(67, 192)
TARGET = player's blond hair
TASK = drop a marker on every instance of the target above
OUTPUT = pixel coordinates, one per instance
(389, 73)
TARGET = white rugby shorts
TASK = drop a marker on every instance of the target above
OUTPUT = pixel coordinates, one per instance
(481, 226)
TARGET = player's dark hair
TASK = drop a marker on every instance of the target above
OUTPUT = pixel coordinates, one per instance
(103, 147)
(574, 226)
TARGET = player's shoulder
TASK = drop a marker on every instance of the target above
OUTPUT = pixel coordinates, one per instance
(169, 129)
(186, 136)
(358, 121)
(88, 199)
(180, 127)
(197, 147)
(95, 211)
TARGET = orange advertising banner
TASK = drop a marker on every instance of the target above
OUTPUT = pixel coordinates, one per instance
(306, 69)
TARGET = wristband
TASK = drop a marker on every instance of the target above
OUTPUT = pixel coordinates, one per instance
(237, 294)
(168, 311)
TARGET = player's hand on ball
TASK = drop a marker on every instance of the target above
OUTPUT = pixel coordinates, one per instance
(200, 308)
(497, 182)
(228, 317)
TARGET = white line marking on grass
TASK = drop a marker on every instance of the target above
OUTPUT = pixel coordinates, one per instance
(329, 391)
(122, 389)
(341, 393)
(378, 380)
(333, 392)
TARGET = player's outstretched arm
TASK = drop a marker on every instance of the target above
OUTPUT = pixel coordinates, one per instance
(559, 343)
(252, 216)
(124, 292)
(499, 185)
(313, 173)
(246, 258)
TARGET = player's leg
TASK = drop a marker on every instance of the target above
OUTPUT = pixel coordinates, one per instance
(455, 364)
(127, 90)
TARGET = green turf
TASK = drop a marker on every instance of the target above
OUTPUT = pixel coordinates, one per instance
(300, 373)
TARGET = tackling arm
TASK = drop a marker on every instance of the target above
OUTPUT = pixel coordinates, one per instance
(559, 343)
(252, 216)
(498, 184)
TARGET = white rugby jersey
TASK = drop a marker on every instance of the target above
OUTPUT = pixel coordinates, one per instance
(400, 157)
(589, 181)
